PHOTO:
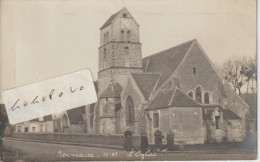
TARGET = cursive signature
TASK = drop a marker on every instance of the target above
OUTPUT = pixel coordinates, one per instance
(36, 100)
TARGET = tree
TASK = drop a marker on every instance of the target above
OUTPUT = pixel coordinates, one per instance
(233, 73)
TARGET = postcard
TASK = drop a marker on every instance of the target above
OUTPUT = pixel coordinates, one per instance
(121, 80)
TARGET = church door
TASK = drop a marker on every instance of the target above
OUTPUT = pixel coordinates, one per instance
(65, 124)
(130, 116)
(118, 109)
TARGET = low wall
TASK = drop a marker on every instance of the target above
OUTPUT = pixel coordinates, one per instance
(117, 140)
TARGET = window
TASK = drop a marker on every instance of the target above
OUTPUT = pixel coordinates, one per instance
(105, 53)
(190, 94)
(107, 37)
(198, 94)
(106, 99)
(91, 112)
(33, 129)
(206, 98)
(122, 35)
(217, 122)
(156, 120)
(130, 117)
(41, 128)
(19, 128)
(128, 36)
(127, 51)
(194, 70)
(124, 15)
(26, 129)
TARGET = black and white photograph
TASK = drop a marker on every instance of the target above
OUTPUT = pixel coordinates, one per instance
(128, 80)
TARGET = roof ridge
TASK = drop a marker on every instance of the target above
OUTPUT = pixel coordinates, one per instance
(147, 57)
(172, 96)
(155, 85)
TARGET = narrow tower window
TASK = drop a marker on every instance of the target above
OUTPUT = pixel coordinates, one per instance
(107, 37)
(105, 53)
(127, 51)
(128, 36)
(194, 70)
(122, 35)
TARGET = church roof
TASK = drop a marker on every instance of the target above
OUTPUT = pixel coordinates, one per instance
(109, 21)
(113, 90)
(75, 115)
(172, 98)
(114, 16)
(146, 82)
(167, 61)
(227, 113)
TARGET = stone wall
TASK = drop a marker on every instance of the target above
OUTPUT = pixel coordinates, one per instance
(185, 122)
(117, 140)
(205, 76)
(131, 90)
(238, 106)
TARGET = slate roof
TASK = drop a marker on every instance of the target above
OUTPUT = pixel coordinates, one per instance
(146, 82)
(167, 61)
(172, 98)
(113, 90)
(109, 21)
(227, 113)
(75, 115)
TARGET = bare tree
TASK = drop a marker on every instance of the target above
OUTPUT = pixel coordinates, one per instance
(232, 71)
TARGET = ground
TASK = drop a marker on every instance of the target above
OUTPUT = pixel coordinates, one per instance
(26, 150)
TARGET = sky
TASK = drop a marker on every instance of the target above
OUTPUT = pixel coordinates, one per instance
(43, 39)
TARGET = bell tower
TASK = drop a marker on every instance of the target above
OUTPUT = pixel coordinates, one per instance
(120, 50)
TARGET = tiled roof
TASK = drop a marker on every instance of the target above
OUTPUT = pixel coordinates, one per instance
(227, 113)
(146, 82)
(167, 61)
(113, 90)
(172, 98)
(109, 21)
(75, 115)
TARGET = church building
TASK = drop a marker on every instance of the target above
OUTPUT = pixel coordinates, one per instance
(177, 89)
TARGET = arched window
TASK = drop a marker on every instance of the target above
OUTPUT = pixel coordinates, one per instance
(128, 36)
(190, 94)
(198, 95)
(206, 98)
(130, 118)
(122, 35)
